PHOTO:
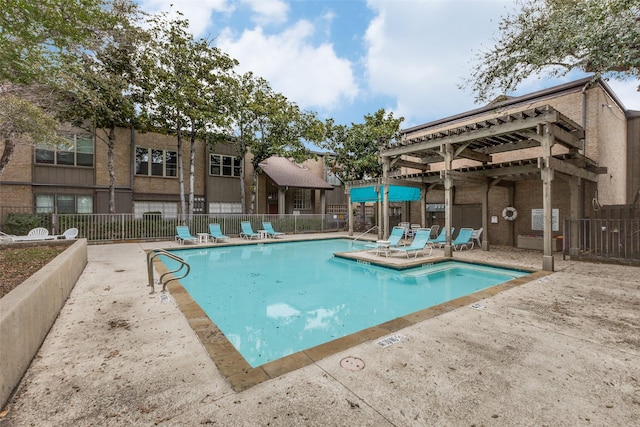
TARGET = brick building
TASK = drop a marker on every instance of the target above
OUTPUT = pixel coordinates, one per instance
(75, 178)
(553, 154)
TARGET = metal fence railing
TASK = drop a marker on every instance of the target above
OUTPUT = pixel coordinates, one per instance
(124, 227)
(616, 240)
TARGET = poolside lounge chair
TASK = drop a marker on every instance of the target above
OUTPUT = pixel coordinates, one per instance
(184, 235)
(412, 230)
(463, 240)
(216, 233)
(395, 238)
(434, 230)
(270, 231)
(476, 236)
(418, 245)
(442, 238)
(38, 233)
(247, 231)
(405, 227)
(69, 234)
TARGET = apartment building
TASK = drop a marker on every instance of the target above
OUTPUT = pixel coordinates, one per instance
(75, 178)
(518, 166)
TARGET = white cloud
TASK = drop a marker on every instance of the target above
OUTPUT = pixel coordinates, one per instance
(421, 52)
(198, 12)
(313, 76)
(268, 11)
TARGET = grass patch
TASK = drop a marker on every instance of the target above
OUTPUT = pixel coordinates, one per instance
(17, 264)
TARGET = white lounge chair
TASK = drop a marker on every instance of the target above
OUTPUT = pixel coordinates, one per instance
(476, 237)
(69, 234)
(38, 233)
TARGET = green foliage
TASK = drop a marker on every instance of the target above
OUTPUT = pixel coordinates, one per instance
(267, 124)
(22, 122)
(357, 148)
(34, 34)
(20, 223)
(553, 37)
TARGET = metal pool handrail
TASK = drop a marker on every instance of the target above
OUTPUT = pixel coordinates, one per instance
(151, 255)
(366, 232)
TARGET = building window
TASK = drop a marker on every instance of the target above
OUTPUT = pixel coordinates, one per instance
(64, 204)
(224, 165)
(166, 209)
(225, 207)
(77, 152)
(302, 199)
(156, 162)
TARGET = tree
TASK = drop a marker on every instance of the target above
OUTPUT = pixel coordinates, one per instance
(553, 37)
(33, 35)
(22, 122)
(101, 82)
(164, 70)
(357, 148)
(265, 123)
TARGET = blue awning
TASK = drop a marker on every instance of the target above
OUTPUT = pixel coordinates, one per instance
(403, 194)
(396, 194)
(364, 194)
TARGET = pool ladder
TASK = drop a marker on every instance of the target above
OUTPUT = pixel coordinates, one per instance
(153, 254)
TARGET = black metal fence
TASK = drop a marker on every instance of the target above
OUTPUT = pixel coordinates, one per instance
(613, 240)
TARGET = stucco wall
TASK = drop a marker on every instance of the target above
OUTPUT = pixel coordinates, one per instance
(28, 312)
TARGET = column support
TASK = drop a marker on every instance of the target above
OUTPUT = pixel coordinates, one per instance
(448, 198)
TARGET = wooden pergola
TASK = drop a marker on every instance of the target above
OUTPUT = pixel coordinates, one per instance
(555, 139)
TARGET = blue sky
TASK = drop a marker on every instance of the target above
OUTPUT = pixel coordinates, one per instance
(347, 58)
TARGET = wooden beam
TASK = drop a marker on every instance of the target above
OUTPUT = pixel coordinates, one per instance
(412, 165)
(437, 139)
(566, 138)
(474, 155)
(568, 169)
(471, 177)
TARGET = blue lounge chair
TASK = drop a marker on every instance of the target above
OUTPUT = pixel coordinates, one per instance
(247, 231)
(395, 239)
(442, 238)
(184, 235)
(270, 231)
(464, 239)
(216, 233)
(418, 245)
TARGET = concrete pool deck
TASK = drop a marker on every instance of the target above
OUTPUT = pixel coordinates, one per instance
(563, 349)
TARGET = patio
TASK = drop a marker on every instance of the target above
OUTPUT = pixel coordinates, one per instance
(559, 350)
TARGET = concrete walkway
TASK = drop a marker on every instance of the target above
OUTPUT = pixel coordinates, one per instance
(561, 350)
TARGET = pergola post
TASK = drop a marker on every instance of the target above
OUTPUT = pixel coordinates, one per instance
(485, 217)
(350, 213)
(386, 164)
(423, 206)
(448, 198)
(575, 186)
(547, 179)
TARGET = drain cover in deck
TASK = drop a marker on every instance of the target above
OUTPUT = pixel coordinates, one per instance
(352, 363)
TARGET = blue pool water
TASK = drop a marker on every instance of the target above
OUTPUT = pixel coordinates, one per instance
(272, 300)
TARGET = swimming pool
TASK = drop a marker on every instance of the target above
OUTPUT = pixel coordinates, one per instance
(272, 300)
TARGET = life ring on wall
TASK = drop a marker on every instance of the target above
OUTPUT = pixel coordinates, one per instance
(509, 213)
